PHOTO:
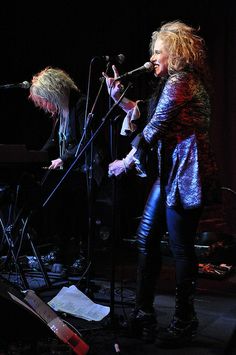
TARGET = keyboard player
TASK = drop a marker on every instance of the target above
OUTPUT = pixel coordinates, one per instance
(66, 215)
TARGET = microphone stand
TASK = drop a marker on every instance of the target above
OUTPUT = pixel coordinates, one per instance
(89, 173)
(114, 219)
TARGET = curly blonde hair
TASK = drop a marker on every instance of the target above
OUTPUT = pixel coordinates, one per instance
(53, 85)
(186, 49)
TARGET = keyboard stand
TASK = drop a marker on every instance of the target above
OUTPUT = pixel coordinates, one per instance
(14, 224)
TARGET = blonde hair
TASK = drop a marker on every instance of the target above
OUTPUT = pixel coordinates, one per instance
(185, 48)
(52, 85)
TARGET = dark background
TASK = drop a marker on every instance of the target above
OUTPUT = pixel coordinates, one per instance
(68, 34)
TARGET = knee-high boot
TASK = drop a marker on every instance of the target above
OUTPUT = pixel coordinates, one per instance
(184, 324)
(142, 320)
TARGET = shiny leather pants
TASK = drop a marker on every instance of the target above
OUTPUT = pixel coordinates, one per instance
(181, 225)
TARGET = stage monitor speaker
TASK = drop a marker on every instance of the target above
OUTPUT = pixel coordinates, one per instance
(26, 318)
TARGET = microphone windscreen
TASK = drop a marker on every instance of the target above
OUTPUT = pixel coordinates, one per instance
(120, 58)
(25, 85)
(149, 66)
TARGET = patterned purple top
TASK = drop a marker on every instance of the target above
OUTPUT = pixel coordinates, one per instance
(179, 130)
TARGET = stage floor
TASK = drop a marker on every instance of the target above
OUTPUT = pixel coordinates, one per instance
(215, 305)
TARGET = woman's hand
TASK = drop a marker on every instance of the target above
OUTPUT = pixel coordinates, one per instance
(114, 87)
(116, 168)
(57, 163)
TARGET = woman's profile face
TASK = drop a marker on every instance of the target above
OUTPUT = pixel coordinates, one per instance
(159, 59)
(45, 105)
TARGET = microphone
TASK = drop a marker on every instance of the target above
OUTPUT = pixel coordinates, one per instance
(119, 58)
(147, 67)
(23, 85)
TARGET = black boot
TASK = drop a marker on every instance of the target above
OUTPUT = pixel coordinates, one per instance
(142, 320)
(184, 324)
(142, 325)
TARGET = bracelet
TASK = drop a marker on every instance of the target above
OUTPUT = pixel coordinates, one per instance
(125, 166)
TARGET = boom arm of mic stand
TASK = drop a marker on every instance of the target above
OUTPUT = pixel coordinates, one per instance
(104, 120)
(88, 117)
